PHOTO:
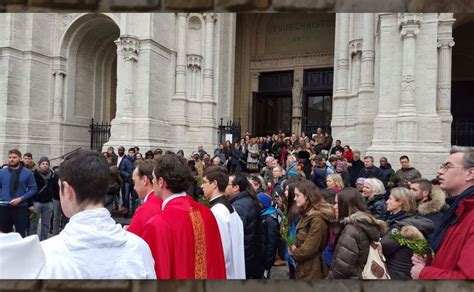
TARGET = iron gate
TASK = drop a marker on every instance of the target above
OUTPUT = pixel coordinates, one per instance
(231, 127)
(100, 134)
(462, 133)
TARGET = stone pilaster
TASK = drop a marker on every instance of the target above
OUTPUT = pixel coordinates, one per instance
(368, 53)
(58, 104)
(208, 73)
(341, 65)
(407, 130)
(443, 96)
(355, 48)
(178, 116)
(127, 48)
(122, 131)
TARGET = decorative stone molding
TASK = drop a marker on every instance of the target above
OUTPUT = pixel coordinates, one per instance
(355, 47)
(409, 23)
(194, 23)
(129, 46)
(210, 17)
(194, 61)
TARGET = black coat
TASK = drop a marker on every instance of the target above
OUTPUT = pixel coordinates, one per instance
(398, 258)
(47, 187)
(372, 172)
(377, 206)
(387, 172)
(270, 238)
(354, 171)
(249, 213)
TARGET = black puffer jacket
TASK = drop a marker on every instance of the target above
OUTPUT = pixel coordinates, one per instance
(249, 213)
(398, 258)
(377, 206)
(270, 237)
(354, 235)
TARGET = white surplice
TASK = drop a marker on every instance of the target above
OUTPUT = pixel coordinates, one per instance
(100, 248)
(231, 230)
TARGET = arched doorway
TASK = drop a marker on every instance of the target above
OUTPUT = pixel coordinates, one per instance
(462, 93)
(91, 63)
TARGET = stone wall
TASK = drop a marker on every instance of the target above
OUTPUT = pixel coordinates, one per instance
(239, 5)
(234, 286)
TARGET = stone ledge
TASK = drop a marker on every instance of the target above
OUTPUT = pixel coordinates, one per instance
(137, 5)
(187, 5)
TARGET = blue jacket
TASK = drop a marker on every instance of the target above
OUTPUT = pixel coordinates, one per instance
(26, 189)
(126, 169)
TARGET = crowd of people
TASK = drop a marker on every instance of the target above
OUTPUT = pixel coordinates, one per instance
(321, 209)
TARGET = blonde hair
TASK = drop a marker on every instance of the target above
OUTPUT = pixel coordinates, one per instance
(376, 185)
(406, 197)
(337, 180)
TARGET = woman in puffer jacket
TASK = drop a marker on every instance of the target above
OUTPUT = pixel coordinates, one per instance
(311, 232)
(402, 207)
(374, 194)
(355, 230)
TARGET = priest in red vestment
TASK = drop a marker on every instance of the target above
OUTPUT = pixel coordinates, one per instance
(184, 238)
(143, 184)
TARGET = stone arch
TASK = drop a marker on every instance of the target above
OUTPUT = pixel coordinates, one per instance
(462, 92)
(90, 54)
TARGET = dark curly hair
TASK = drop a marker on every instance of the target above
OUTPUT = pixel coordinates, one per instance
(175, 171)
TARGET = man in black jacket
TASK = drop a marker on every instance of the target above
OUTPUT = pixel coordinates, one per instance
(370, 170)
(47, 185)
(238, 190)
(356, 166)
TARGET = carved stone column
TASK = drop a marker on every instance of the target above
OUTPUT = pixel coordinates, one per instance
(181, 56)
(342, 65)
(297, 101)
(443, 96)
(208, 74)
(194, 64)
(59, 77)
(127, 48)
(407, 120)
(368, 53)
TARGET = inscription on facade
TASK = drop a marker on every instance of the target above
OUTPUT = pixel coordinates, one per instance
(300, 33)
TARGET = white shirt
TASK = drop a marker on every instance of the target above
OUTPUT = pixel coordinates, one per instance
(100, 248)
(231, 230)
(174, 196)
(146, 198)
(119, 159)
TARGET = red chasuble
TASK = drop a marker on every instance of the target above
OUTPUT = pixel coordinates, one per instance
(185, 242)
(150, 208)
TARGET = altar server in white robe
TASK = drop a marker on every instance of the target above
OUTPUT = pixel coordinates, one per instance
(23, 258)
(215, 180)
(97, 246)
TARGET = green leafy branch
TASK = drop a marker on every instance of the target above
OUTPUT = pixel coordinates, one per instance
(419, 247)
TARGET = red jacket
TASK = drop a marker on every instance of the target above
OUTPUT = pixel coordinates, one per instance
(455, 256)
(145, 212)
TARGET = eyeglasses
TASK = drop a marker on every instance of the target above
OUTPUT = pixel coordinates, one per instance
(447, 166)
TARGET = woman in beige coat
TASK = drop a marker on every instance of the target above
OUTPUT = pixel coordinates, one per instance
(311, 232)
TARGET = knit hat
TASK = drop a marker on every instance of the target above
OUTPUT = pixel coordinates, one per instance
(341, 165)
(360, 180)
(303, 154)
(43, 159)
(265, 199)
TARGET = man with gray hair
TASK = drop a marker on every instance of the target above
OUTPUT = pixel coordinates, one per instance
(267, 170)
(453, 239)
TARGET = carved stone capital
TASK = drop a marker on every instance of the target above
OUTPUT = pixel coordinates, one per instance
(445, 43)
(210, 17)
(129, 47)
(409, 24)
(194, 61)
(355, 47)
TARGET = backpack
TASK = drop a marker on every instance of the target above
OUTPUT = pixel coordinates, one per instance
(375, 267)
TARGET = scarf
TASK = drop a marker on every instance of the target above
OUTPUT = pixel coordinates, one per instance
(449, 217)
(14, 179)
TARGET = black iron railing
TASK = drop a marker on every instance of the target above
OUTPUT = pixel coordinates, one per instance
(100, 134)
(231, 127)
(462, 133)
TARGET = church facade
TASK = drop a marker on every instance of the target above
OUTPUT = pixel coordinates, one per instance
(384, 83)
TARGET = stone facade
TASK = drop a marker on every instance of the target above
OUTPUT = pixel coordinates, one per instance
(165, 79)
(158, 77)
